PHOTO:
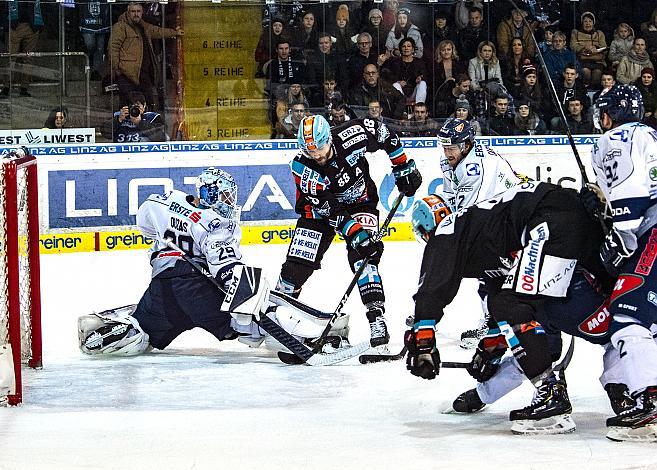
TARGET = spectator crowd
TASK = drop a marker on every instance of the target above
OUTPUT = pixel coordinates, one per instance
(414, 65)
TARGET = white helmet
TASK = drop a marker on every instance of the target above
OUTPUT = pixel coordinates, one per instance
(216, 189)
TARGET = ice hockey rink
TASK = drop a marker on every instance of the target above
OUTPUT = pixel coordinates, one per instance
(203, 404)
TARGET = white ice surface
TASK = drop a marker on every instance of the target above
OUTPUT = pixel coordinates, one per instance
(201, 404)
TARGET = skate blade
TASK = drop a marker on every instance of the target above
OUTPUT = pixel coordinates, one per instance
(561, 424)
(647, 433)
(382, 350)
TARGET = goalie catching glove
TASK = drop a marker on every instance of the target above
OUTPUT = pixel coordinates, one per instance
(487, 357)
(407, 178)
(423, 359)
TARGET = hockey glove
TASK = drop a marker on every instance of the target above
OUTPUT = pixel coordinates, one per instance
(423, 359)
(614, 252)
(487, 357)
(407, 178)
(589, 195)
(360, 240)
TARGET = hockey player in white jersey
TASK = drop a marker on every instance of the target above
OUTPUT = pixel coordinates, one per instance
(205, 228)
(625, 163)
(472, 172)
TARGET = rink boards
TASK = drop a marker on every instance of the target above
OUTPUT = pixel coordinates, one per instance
(89, 194)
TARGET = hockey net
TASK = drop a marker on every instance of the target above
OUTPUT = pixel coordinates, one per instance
(20, 304)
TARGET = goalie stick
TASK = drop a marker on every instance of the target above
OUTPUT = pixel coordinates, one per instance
(319, 342)
(276, 331)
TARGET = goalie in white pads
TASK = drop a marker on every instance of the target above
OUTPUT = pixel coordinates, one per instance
(205, 228)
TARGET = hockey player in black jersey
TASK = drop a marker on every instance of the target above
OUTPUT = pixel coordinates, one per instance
(538, 233)
(335, 193)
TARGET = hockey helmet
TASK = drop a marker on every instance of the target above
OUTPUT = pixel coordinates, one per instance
(456, 131)
(623, 103)
(216, 189)
(427, 214)
(314, 133)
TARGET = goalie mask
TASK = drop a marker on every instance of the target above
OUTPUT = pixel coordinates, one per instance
(216, 189)
(428, 212)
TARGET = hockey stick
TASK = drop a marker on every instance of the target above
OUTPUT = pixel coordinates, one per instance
(275, 330)
(319, 342)
(562, 116)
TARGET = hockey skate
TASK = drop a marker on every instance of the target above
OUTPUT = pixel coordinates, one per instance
(637, 424)
(468, 402)
(549, 412)
(619, 397)
(379, 336)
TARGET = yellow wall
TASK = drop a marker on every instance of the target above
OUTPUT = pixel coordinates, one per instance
(222, 99)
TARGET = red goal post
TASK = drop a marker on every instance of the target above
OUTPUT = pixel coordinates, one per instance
(20, 294)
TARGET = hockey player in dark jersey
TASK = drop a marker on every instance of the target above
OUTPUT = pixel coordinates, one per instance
(551, 234)
(335, 193)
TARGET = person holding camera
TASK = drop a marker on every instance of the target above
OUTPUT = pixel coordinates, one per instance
(132, 123)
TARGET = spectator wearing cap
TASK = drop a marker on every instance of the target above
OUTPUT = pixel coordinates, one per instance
(515, 28)
(557, 57)
(527, 121)
(463, 110)
(420, 124)
(512, 64)
(376, 30)
(408, 73)
(531, 91)
(631, 65)
(341, 33)
(403, 29)
(469, 38)
(621, 44)
(444, 101)
(590, 46)
(648, 88)
(442, 30)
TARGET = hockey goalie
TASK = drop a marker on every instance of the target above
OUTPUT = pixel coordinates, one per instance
(204, 229)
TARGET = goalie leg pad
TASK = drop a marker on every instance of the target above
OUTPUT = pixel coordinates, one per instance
(112, 332)
(246, 294)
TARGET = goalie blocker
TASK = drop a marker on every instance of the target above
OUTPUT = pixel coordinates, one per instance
(153, 323)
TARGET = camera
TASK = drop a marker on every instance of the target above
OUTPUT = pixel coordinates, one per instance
(134, 110)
